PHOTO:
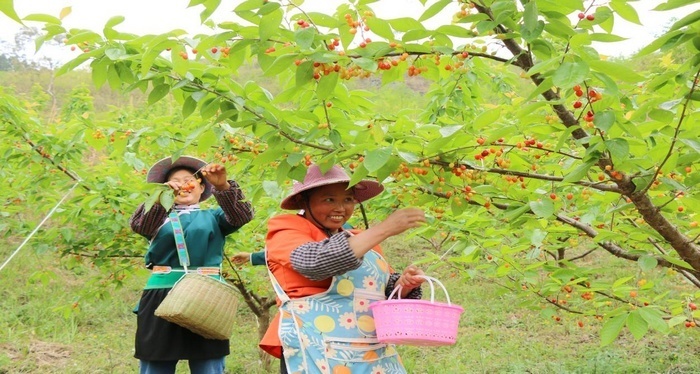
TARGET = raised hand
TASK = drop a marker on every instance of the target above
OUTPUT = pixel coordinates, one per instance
(216, 175)
(402, 220)
(240, 258)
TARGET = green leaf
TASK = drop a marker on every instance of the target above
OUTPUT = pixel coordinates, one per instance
(267, 8)
(270, 24)
(694, 144)
(209, 107)
(115, 53)
(486, 118)
(409, 157)
(99, 71)
(618, 148)
(206, 141)
(542, 208)
(84, 36)
(537, 238)
(514, 212)
(544, 66)
(358, 174)
(677, 262)
(647, 263)
(375, 159)
(654, 319)
(578, 173)
(167, 199)
(43, 18)
(672, 4)
(625, 11)
(546, 84)
(416, 35)
(637, 325)
(248, 5)
(152, 199)
(158, 93)
(605, 38)
(434, 9)
(405, 24)
(687, 20)
(8, 8)
(366, 63)
(380, 27)
(108, 30)
(615, 70)
(559, 29)
(305, 72)
(326, 86)
(281, 63)
(320, 19)
(570, 74)
(531, 27)
(611, 329)
(188, 107)
(454, 30)
(530, 35)
(305, 37)
(604, 120)
(604, 18)
(658, 43)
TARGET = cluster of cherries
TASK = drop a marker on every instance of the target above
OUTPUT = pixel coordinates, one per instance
(190, 186)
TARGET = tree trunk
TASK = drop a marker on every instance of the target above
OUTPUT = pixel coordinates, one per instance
(263, 324)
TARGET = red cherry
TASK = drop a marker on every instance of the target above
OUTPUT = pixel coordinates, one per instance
(581, 15)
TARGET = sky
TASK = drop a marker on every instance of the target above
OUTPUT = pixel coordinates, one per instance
(159, 16)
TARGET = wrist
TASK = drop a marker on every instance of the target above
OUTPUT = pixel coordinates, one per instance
(222, 187)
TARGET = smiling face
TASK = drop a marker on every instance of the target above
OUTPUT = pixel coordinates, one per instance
(330, 206)
(190, 188)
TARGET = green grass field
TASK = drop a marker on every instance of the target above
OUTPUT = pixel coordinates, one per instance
(42, 332)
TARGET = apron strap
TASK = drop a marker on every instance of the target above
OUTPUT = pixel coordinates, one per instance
(180, 244)
(275, 284)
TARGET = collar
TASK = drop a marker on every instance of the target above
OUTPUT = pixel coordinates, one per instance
(181, 208)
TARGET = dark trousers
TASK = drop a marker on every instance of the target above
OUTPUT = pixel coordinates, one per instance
(283, 366)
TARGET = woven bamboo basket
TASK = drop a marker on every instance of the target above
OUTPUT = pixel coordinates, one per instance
(202, 305)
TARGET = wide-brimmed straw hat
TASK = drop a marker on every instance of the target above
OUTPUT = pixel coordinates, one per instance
(364, 190)
(158, 173)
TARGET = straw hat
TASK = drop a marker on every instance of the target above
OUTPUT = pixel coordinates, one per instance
(158, 173)
(364, 190)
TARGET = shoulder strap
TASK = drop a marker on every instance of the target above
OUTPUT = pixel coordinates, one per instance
(180, 245)
(275, 284)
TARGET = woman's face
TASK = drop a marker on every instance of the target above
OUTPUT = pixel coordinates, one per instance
(190, 189)
(331, 206)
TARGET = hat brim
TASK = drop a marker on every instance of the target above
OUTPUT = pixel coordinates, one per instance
(364, 190)
(158, 173)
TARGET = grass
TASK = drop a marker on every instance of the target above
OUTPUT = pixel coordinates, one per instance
(41, 331)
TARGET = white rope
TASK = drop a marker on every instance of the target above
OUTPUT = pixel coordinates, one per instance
(39, 226)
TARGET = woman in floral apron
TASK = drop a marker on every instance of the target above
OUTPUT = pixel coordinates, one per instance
(325, 277)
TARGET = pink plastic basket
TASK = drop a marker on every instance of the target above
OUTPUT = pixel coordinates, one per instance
(417, 322)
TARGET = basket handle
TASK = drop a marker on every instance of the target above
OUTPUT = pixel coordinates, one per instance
(430, 280)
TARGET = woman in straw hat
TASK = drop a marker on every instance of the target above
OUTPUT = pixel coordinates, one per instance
(325, 278)
(159, 343)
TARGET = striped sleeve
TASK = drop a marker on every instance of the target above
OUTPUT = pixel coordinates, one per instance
(325, 259)
(416, 293)
(148, 223)
(237, 211)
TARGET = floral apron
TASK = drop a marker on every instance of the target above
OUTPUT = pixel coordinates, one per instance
(333, 332)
